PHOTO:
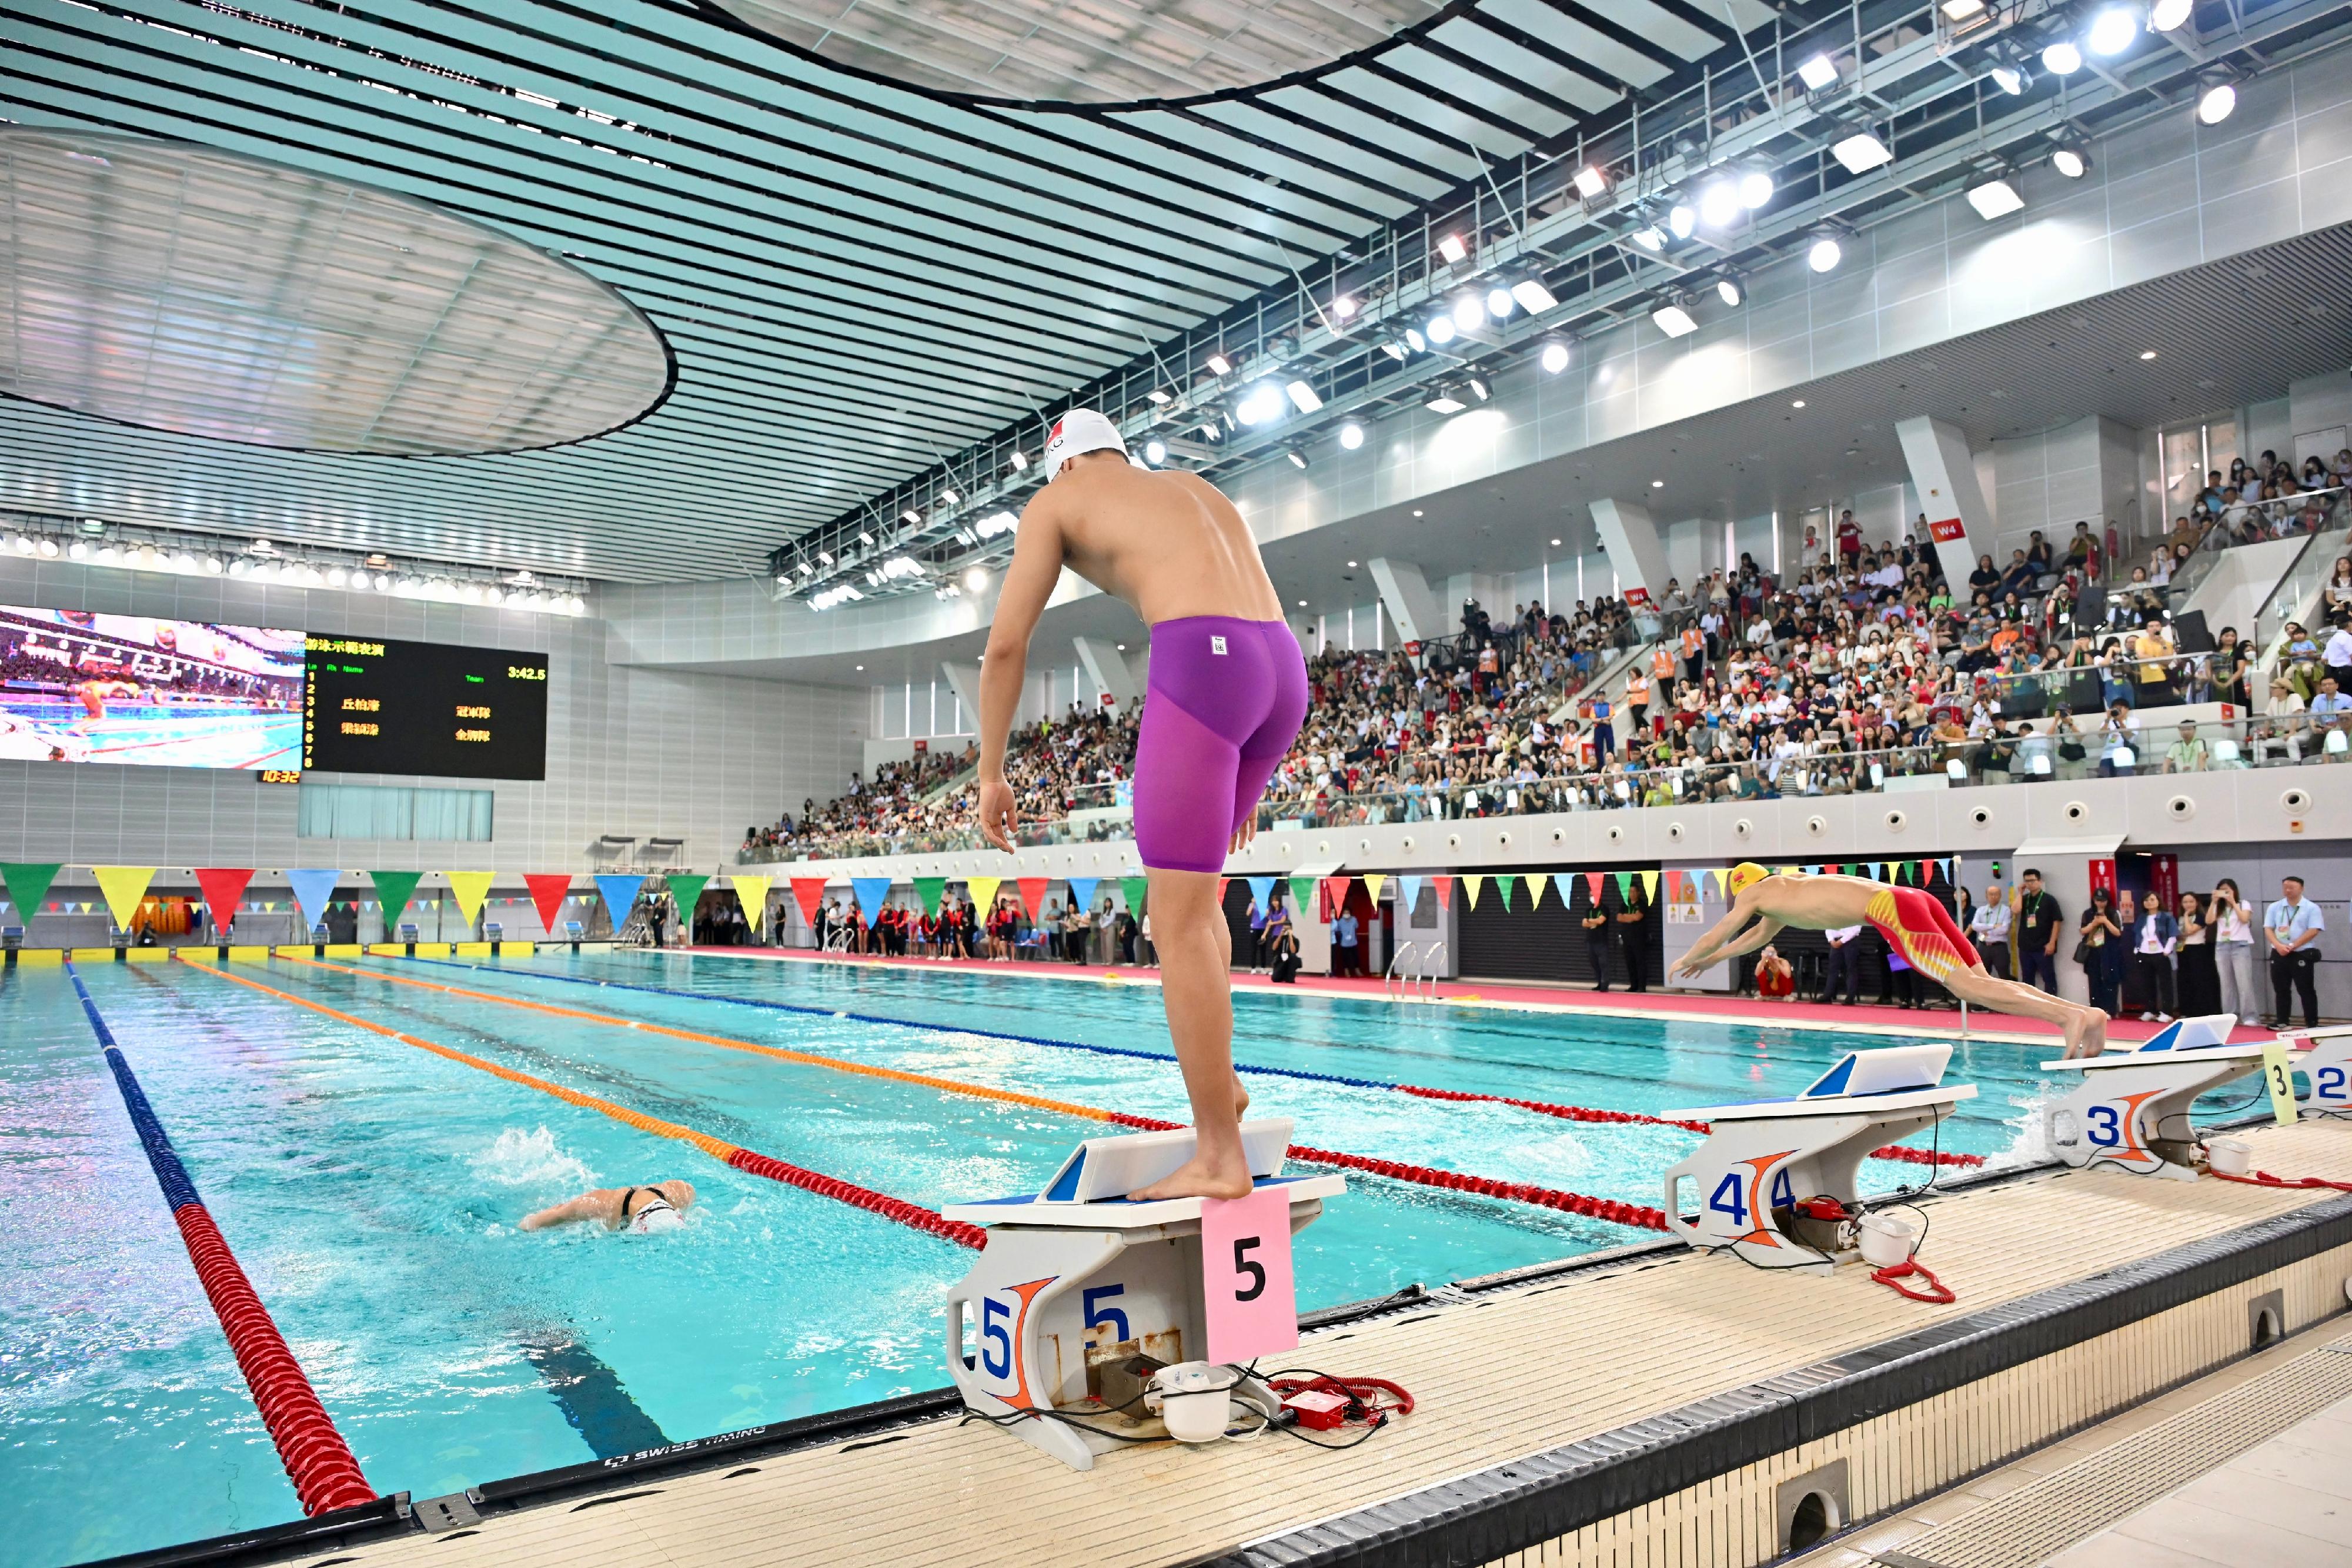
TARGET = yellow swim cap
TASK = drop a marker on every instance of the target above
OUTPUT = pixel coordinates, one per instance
(1745, 875)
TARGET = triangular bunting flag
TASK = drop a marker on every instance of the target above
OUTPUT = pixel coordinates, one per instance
(1444, 882)
(223, 886)
(1409, 894)
(1335, 890)
(871, 892)
(686, 890)
(1033, 894)
(124, 887)
(1082, 891)
(619, 889)
(983, 893)
(1471, 885)
(396, 888)
(929, 889)
(1592, 887)
(549, 889)
(1536, 882)
(1302, 896)
(808, 892)
(1885, 871)
(473, 886)
(1508, 885)
(1223, 882)
(1718, 882)
(1625, 887)
(27, 882)
(1260, 892)
(312, 889)
(1373, 882)
(1649, 886)
(1134, 889)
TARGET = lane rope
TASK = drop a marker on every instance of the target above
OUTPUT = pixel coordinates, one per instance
(742, 1159)
(1396, 1170)
(318, 1461)
(1896, 1152)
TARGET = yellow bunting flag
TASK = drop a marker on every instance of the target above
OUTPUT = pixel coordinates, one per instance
(1373, 882)
(1536, 882)
(124, 887)
(983, 893)
(1471, 883)
(1649, 887)
(471, 887)
(751, 892)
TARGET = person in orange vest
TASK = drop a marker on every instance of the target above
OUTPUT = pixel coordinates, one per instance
(1694, 652)
(1637, 705)
(1662, 664)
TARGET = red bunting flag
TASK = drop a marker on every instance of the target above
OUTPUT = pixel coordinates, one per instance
(1445, 885)
(1592, 886)
(548, 892)
(808, 892)
(1032, 893)
(1335, 895)
(223, 886)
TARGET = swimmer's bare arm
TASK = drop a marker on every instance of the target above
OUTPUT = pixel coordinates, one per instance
(1038, 551)
(1708, 948)
(603, 1204)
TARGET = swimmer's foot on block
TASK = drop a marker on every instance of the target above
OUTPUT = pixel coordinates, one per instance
(1222, 1174)
(1154, 1165)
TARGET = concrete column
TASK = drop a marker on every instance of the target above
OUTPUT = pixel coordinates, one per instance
(1636, 552)
(1404, 593)
(1107, 668)
(1944, 476)
(965, 680)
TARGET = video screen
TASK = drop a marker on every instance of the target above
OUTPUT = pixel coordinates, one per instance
(376, 706)
(79, 687)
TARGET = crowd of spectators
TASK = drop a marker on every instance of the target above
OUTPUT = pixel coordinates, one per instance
(1863, 663)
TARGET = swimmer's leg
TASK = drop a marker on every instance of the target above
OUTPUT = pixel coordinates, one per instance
(1188, 926)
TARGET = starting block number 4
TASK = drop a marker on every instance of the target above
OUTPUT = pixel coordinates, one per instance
(1246, 1283)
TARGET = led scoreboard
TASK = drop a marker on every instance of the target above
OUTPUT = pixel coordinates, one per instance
(375, 707)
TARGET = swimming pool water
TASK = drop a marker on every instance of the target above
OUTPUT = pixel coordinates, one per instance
(371, 1190)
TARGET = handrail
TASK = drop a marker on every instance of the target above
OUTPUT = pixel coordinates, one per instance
(1429, 971)
(1388, 980)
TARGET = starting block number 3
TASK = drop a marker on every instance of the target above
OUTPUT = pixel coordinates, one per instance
(1246, 1283)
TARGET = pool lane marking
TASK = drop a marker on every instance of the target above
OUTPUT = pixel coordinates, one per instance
(1896, 1152)
(316, 1459)
(1584, 1204)
(742, 1159)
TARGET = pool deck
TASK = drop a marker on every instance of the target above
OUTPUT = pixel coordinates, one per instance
(1939, 1023)
(1525, 1383)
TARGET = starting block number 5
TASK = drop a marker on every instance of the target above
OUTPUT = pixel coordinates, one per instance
(1246, 1284)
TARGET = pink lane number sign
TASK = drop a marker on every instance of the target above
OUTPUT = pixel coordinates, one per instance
(1246, 1257)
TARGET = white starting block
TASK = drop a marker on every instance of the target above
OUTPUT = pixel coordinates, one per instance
(2324, 1056)
(1768, 1156)
(1078, 1283)
(2118, 1115)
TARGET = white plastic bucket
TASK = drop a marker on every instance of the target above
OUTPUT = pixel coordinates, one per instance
(2230, 1157)
(1886, 1241)
(1194, 1400)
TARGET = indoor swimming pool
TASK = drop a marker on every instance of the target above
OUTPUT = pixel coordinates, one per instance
(371, 1187)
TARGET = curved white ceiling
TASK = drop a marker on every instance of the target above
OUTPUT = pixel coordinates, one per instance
(160, 283)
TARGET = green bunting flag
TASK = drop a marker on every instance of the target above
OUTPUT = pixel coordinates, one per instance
(27, 883)
(1133, 889)
(1302, 896)
(395, 888)
(929, 889)
(1508, 885)
(686, 890)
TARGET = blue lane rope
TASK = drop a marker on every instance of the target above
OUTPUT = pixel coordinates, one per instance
(1299, 1072)
(179, 1189)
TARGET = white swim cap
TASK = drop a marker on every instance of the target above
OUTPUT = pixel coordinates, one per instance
(656, 1216)
(1080, 430)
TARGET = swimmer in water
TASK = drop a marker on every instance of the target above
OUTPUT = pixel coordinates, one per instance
(1226, 694)
(640, 1209)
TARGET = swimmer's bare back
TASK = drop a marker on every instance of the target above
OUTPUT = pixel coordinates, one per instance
(1170, 544)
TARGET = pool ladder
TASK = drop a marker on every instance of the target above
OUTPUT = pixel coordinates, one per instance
(1399, 980)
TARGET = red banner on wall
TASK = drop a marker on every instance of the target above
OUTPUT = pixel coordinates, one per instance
(1944, 531)
(2102, 874)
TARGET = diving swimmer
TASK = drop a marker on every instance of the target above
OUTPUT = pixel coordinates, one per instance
(1226, 694)
(641, 1210)
(1914, 924)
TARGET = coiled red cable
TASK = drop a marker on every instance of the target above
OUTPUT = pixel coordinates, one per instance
(1938, 1293)
(2264, 1178)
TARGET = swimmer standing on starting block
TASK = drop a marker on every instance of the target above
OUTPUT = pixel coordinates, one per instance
(1226, 695)
(1915, 924)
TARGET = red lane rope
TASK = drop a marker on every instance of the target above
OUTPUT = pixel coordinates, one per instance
(881, 1203)
(1608, 1208)
(325, 1475)
(1593, 1113)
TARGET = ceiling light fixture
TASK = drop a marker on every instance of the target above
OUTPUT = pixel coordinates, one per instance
(1649, 237)
(1961, 10)
(1727, 289)
(1533, 297)
(2011, 78)
(1351, 436)
(2061, 58)
(1298, 458)
(1995, 198)
(2170, 15)
(1817, 73)
(2070, 159)
(2114, 30)
(1020, 461)
(1860, 153)
(1451, 248)
(1304, 397)
(1681, 220)
(1441, 328)
(1155, 453)
(1159, 397)
(1673, 320)
(1591, 182)
(1824, 254)
(1219, 366)
(2147, 353)
(2217, 103)
(1499, 303)
(1755, 189)
(1344, 307)
(1554, 357)
(1414, 341)
(1719, 204)
(1469, 313)
(1443, 400)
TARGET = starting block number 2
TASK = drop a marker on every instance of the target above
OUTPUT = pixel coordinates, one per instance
(1246, 1284)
